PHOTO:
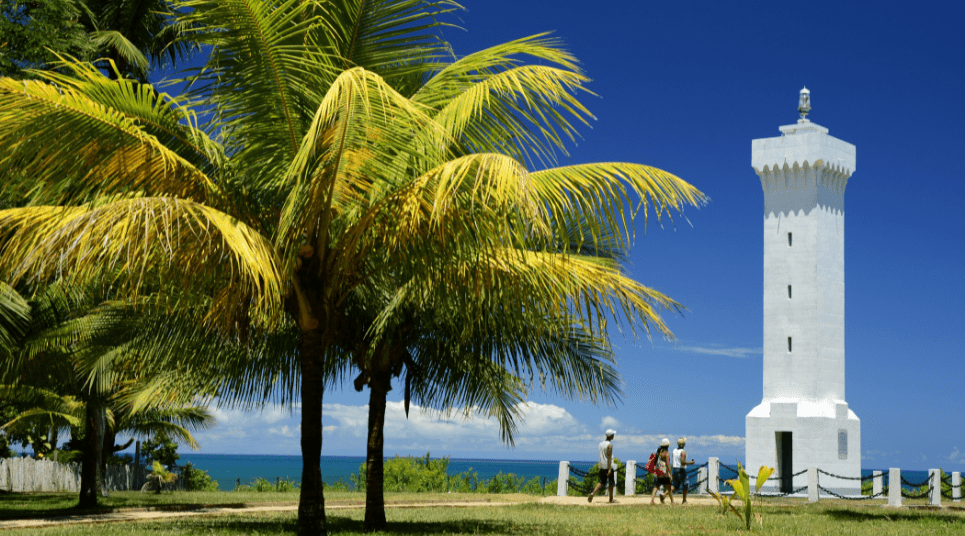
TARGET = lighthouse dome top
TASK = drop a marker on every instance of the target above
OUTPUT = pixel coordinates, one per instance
(804, 103)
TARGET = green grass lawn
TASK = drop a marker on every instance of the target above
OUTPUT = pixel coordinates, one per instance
(28, 505)
(525, 518)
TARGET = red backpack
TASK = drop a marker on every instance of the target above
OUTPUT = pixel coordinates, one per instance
(651, 466)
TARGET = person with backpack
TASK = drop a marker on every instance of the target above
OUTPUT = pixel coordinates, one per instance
(680, 464)
(607, 470)
(662, 472)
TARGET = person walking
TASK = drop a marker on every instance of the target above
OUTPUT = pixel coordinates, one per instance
(663, 472)
(607, 472)
(680, 463)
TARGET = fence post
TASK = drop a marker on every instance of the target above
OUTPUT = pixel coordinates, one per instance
(702, 478)
(713, 474)
(957, 486)
(876, 482)
(564, 479)
(894, 486)
(630, 482)
(935, 477)
(813, 495)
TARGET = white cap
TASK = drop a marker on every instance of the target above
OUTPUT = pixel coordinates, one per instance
(611, 433)
(665, 442)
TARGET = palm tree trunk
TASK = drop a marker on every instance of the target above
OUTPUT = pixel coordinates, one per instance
(375, 459)
(90, 473)
(311, 504)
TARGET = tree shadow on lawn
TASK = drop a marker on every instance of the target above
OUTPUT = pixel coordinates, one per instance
(50, 505)
(911, 516)
(341, 525)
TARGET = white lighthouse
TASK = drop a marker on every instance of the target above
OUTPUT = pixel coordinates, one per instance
(803, 419)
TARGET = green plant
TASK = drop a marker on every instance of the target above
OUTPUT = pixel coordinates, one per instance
(197, 480)
(339, 485)
(286, 484)
(262, 485)
(645, 485)
(742, 491)
(160, 476)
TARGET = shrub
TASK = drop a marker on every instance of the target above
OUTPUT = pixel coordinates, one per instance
(262, 485)
(286, 484)
(197, 480)
(409, 474)
(339, 485)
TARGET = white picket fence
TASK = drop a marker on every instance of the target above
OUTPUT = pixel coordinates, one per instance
(30, 475)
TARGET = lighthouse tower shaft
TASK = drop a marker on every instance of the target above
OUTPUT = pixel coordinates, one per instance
(803, 419)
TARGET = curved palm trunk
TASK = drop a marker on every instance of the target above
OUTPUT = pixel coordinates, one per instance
(375, 459)
(90, 474)
(311, 503)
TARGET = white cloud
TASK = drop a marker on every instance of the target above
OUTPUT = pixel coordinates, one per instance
(729, 352)
(609, 422)
(545, 431)
(956, 456)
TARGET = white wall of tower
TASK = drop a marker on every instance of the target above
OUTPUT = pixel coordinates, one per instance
(804, 174)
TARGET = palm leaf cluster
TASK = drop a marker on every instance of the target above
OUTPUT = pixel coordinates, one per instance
(334, 177)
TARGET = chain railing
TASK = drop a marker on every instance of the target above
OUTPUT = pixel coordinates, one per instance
(947, 481)
(909, 490)
(879, 495)
(696, 469)
(579, 484)
(922, 494)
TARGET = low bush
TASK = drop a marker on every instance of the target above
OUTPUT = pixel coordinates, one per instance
(197, 480)
(416, 474)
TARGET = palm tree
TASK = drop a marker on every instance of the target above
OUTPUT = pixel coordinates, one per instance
(323, 177)
(77, 367)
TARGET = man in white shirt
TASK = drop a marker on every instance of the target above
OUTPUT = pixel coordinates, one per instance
(607, 472)
(680, 464)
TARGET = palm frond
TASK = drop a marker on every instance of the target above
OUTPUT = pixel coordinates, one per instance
(14, 316)
(359, 144)
(143, 240)
(114, 40)
(598, 192)
(261, 79)
(391, 37)
(61, 146)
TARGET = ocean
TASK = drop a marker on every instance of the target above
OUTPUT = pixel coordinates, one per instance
(230, 469)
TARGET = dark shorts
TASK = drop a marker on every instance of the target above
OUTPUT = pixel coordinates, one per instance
(604, 480)
(680, 479)
(663, 480)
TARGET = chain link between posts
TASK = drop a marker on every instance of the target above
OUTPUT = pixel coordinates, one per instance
(947, 481)
(918, 486)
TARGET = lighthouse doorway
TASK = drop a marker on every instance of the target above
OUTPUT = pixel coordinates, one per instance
(785, 461)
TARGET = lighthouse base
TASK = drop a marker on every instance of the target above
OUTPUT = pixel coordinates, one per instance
(791, 435)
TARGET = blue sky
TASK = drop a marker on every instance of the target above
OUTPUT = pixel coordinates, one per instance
(686, 86)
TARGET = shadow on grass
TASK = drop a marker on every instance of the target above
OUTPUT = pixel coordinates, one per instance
(338, 525)
(50, 505)
(842, 514)
(271, 524)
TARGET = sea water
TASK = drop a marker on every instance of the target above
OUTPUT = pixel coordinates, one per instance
(232, 469)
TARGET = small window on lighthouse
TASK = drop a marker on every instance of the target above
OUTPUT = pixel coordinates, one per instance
(842, 444)
(789, 292)
(788, 239)
(789, 345)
